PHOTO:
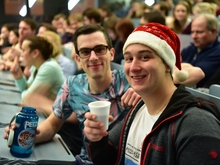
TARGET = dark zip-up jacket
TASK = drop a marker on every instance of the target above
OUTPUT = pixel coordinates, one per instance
(186, 133)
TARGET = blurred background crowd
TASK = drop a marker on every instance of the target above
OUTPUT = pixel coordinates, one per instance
(63, 17)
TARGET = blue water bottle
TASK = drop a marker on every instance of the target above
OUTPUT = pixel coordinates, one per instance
(26, 122)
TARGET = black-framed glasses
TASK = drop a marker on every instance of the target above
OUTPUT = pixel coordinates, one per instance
(99, 51)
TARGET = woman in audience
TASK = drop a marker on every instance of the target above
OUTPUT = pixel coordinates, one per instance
(46, 75)
(4, 43)
(13, 40)
(13, 37)
(180, 22)
(204, 7)
(123, 29)
(136, 10)
(109, 25)
(68, 66)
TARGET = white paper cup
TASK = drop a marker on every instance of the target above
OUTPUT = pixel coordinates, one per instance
(101, 109)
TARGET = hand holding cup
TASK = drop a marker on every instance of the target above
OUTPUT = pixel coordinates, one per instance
(101, 109)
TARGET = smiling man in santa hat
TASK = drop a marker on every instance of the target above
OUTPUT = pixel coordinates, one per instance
(168, 125)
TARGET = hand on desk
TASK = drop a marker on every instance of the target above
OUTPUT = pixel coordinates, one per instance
(93, 129)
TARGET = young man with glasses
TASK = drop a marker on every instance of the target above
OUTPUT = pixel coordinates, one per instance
(94, 53)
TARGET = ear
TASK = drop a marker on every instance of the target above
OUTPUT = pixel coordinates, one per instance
(214, 31)
(93, 21)
(77, 58)
(168, 70)
(35, 53)
(112, 54)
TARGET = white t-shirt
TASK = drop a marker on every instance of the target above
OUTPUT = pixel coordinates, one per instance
(140, 127)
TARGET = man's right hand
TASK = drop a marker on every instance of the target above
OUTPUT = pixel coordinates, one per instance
(93, 129)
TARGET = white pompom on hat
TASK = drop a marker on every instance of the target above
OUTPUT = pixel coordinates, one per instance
(163, 40)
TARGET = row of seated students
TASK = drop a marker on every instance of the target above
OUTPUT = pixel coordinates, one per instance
(50, 101)
(172, 112)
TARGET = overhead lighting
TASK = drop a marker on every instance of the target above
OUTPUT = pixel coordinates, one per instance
(31, 3)
(72, 4)
(23, 11)
(149, 2)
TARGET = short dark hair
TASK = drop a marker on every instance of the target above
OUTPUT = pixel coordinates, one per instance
(30, 22)
(60, 15)
(8, 26)
(93, 13)
(48, 27)
(164, 7)
(155, 16)
(42, 44)
(89, 29)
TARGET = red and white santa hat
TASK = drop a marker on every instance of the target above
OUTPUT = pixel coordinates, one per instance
(161, 39)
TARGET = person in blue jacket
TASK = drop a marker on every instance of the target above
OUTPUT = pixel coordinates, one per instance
(204, 52)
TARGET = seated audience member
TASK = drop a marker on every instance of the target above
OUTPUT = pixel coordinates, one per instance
(215, 2)
(92, 15)
(109, 25)
(94, 53)
(75, 21)
(146, 8)
(63, 29)
(4, 42)
(60, 23)
(170, 5)
(204, 52)
(203, 7)
(123, 28)
(45, 73)
(68, 66)
(27, 27)
(165, 126)
(13, 40)
(136, 10)
(153, 16)
(46, 26)
(13, 37)
(106, 13)
(180, 21)
(162, 7)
